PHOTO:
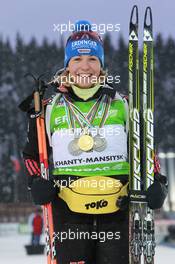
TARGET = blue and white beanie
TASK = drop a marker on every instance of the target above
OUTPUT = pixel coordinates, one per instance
(86, 45)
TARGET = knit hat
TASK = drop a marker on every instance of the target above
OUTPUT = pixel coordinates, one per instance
(84, 41)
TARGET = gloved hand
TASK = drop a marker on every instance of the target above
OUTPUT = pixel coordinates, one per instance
(157, 192)
(123, 202)
(43, 191)
(155, 195)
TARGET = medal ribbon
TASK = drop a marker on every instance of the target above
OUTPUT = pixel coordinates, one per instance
(71, 109)
(73, 112)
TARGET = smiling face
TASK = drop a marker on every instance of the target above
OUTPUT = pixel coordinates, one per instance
(84, 70)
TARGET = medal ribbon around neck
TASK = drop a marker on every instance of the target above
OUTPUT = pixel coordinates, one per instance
(86, 142)
(73, 112)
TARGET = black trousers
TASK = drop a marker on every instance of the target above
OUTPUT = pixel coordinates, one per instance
(90, 239)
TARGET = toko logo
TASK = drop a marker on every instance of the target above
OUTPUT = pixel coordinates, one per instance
(96, 205)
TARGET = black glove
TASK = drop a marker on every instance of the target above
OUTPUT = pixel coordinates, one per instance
(157, 192)
(123, 202)
(43, 191)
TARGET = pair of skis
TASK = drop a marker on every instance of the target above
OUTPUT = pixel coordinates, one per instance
(141, 142)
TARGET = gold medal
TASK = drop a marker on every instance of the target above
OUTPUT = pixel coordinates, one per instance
(86, 142)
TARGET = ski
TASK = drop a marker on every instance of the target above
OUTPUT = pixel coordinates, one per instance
(141, 142)
(135, 222)
(147, 168)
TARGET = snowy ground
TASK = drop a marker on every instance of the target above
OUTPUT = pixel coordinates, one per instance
(12, 251)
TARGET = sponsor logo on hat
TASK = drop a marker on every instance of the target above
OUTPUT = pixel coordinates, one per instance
(84, 43)
(84, 50)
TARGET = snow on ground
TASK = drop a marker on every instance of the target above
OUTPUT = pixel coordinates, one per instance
(12, 251)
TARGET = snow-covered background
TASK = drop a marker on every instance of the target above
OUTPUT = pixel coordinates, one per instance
(12, 251)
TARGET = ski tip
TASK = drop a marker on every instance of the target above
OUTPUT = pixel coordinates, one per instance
(148, 21)
(134, 13)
